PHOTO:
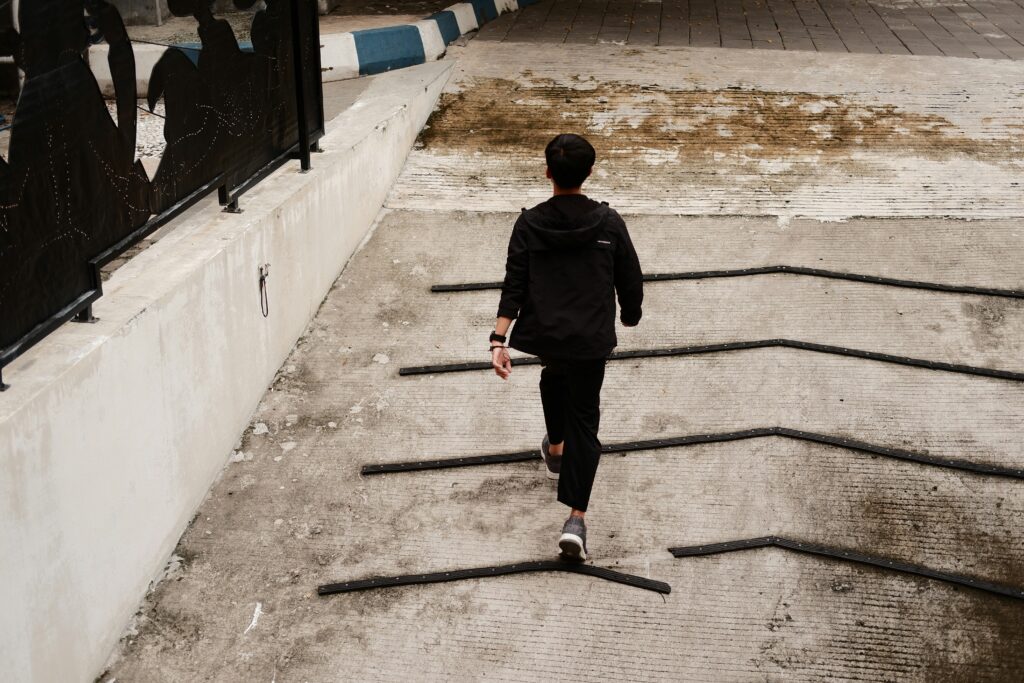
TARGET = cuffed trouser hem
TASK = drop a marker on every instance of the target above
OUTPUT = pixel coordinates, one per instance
(580, 505)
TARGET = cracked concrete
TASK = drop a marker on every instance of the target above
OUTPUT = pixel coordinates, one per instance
(291, 511)
(705, 132)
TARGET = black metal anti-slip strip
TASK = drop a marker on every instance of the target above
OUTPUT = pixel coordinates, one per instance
(742, 346)
(848, 555)
(769, 270)
(694, 439)
(483, 572)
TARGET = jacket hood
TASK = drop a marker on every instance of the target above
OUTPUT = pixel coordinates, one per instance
(547, 231)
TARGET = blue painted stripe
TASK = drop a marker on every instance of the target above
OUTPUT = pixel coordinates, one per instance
(384, 49)
(192, 50)
(448, 24)
(485, 11)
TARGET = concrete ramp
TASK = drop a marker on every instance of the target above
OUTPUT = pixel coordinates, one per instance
(706, 131)
(722, 161)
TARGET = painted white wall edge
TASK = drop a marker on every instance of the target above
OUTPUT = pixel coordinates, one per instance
(338, 56)
(465, 16)
(433, 41)
(146, 57)
(112, 433)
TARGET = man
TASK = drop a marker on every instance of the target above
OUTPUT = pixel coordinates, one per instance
(567, 258)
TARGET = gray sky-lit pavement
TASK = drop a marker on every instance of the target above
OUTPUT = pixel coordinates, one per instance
(720, 159)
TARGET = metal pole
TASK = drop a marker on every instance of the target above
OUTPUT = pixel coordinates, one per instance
(16, 23)
(300, 87)
(86, 316)
(317, 68)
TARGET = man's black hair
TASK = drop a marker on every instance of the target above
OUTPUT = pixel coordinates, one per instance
(570, 158)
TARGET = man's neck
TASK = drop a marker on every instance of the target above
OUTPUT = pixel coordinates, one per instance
(560, 191)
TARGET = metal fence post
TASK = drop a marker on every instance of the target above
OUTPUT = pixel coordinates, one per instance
(300, 88)
(86, 316)
(236, 167)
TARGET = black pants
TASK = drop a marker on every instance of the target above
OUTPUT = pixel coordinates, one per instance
(571, 394)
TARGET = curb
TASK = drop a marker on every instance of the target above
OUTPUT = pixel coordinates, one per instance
(376, 50)
(348, 55)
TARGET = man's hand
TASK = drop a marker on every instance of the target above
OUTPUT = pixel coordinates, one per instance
(501, 361)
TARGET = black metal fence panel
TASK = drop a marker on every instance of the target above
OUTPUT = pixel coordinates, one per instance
(72, 193)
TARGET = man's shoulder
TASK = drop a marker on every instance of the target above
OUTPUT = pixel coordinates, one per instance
(547, 210)
(534, 213)
(607, 207)
(535, 208)
(613, 215)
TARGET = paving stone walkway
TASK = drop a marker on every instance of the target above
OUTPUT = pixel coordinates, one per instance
(988, 29)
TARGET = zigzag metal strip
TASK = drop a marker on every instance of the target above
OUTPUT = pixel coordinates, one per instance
(742, 346)
(483, 572)
(695, 439)
(848, 555)
(770, 270)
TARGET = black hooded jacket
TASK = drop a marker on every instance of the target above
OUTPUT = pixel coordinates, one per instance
(567, 259)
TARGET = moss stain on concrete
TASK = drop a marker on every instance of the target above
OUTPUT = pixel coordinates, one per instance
(687, 126)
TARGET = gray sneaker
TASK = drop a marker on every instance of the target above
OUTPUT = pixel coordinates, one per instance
(573, 541)
(552, 463)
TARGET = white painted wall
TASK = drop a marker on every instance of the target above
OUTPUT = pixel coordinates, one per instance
(338, 57)
(465, 16)
(112, 433)
(433, 41)
(146, 57)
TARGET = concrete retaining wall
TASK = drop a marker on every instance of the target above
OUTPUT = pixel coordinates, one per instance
(323, 6)
(374, 51)
(146, 12)
(355, 53)
(155, 12)
(112, 433)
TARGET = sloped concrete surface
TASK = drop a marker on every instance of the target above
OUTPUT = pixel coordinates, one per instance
(291, 511)
(983, 331)
(112, 434)
(707, 131)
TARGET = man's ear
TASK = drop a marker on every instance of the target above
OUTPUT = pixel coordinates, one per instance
(547, 173)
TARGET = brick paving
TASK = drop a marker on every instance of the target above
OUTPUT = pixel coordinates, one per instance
(986, 29)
